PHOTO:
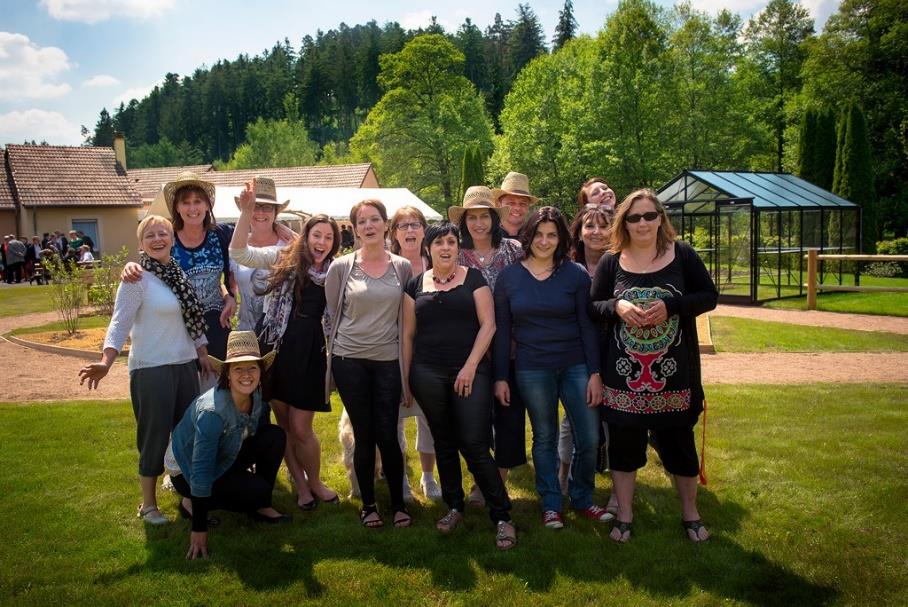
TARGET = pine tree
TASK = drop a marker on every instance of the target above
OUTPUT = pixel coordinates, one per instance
(825, 146)
(855, 177)
(526, 40)
(471, 168)
(567, 26)
(807, 150)
(104, 130)
(839, 146)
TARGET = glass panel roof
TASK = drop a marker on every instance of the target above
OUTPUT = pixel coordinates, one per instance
(767, 190)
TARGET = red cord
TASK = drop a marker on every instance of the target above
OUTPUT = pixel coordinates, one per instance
(703, 448)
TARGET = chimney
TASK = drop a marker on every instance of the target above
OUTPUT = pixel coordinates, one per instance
(119, 146)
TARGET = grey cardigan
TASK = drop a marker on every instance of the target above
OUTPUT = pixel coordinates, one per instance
(336, 286)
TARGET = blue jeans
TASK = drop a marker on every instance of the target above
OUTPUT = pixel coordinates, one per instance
(540, 390)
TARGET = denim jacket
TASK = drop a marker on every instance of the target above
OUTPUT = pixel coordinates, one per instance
(208, 438)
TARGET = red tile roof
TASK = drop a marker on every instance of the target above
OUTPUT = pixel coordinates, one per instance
(149, 181)
(50, 175)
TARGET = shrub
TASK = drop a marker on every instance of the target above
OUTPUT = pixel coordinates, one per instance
(103, 292)
(897, 246)
(67, 291)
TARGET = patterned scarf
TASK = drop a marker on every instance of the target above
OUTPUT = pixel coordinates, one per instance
(278, 313)
(173, 276)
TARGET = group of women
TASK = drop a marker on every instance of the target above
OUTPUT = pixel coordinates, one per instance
(458, 321)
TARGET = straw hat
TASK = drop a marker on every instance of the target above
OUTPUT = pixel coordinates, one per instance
(517, 184)
(186, 178)
(265, 193)
(476, 197)
(242, 346)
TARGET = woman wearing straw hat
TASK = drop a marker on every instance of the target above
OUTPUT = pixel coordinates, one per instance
(262, 234)
(292, 326)
(514, 194)
(483, 247)
(364, 291)
(222, 436)
(449, 321)
(164, 318)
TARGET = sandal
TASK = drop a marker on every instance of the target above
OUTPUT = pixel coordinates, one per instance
(695, 527)
(449, 522)
(505, 535)
(151, 515)
(370, 523)
(402, 518)
(623, 528)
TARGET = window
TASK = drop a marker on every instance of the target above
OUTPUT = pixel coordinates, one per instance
(90, 228)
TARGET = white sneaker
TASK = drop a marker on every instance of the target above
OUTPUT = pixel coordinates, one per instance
(408, 493)
(430, 489)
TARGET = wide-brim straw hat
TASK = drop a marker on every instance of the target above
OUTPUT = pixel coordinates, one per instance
(265, 193)
(476, 197)
(186, 178)
(242, 346)
(517, 184)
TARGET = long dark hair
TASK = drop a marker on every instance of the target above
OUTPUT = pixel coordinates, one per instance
(466, 241)
(435, 232)
(296, 257)
(564, 236)
(596, 211)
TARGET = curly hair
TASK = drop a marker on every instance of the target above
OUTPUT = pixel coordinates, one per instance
(297, 258)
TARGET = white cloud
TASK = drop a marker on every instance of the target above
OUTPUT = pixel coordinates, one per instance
(27, 70)
(136, 92)
(40, 125)
(93, 11)
(101, 80)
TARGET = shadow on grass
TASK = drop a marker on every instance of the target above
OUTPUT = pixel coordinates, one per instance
(659, 560)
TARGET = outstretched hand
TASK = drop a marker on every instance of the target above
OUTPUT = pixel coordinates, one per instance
(94, 373)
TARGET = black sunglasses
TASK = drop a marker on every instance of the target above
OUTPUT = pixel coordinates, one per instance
(635, 217)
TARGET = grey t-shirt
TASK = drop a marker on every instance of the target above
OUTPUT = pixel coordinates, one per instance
(368, 324)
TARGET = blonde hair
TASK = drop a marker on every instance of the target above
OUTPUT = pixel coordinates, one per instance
(620, 238)
(153, 219)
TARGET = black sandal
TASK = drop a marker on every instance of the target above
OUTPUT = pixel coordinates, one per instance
(622, 527)
(373, 523)
(695, 526)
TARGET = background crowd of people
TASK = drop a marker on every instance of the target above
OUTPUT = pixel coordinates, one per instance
(470, 325)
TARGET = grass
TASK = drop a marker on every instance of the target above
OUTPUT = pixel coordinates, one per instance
(746, 335)
(85, 322)
(806, 498)
(878, 304)
(25, 300)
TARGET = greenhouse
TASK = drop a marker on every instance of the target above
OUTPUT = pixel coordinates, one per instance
(752, 230)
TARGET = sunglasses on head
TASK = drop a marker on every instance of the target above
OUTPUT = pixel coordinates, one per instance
(635, 217)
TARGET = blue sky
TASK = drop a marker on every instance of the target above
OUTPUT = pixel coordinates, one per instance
(61, 61)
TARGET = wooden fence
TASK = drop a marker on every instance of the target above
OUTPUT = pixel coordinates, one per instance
(814, 257)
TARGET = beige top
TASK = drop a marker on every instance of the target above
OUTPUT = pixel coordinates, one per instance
(368, 323)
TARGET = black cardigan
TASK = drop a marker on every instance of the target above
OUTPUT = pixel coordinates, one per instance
(700, 296)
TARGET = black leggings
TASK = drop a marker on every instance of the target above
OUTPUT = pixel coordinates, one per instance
(371, 391)
(460, 425)
(238, 489)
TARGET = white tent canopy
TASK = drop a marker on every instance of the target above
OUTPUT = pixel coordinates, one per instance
(334, 202)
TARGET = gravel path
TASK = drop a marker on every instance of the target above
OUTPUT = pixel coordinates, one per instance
(817, 318)
(39, 376)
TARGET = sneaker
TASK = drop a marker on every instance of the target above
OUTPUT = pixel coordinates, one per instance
(596, 513)
(430, 489)
(408, 493)
(552, 519)
(152, 515)
(167, 484)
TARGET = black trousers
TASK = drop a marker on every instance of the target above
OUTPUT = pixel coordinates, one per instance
(14, 272)
(510, 427)
(371, 393)
(238, 489)
(460, 425)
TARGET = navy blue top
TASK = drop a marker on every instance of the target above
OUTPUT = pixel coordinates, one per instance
(547, 318)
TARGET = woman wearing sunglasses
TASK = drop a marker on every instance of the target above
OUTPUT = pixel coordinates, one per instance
(649, 289)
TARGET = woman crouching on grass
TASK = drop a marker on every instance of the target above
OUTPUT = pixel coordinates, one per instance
(449, 321)
(223, 435)
(166, 322)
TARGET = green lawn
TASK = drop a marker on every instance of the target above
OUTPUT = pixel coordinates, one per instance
(806, 500)
(25, 300)
(746, 335)
(881, 304)
(85, 322)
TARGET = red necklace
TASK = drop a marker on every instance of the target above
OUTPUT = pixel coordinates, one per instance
(444, 281)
